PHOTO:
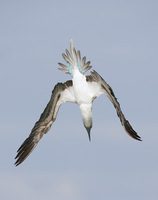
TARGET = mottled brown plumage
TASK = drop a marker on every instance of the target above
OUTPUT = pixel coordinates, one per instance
(45, 122)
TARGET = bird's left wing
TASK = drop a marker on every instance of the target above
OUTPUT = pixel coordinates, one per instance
(106, 89)
(62, 92)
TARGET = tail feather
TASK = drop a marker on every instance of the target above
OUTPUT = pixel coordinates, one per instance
(64, 68)
(79, 56)
(69, 55)
(88, 68)
(71, 47)
(74, 59)
(84, 60)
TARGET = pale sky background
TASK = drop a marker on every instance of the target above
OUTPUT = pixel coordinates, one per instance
(120, 38)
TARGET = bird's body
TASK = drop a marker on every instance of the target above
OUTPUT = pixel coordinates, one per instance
(85, 92)
(81, 90)
(80, 87)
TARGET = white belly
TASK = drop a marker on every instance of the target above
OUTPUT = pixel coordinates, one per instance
(81, 89)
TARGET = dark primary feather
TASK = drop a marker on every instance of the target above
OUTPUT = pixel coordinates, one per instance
(109, 92)
(43, 125)
(48, 116)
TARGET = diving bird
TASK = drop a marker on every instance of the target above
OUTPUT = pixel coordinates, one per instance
(81, 90)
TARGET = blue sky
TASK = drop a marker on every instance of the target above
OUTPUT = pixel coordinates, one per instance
(120, 39)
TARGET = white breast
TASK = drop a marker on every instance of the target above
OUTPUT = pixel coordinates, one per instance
(81, 89)
(84, 91)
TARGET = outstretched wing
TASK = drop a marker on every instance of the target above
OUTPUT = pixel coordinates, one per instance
(106, 89)
(62, 92)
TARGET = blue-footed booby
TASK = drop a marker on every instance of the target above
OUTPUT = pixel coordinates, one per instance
(81, 90)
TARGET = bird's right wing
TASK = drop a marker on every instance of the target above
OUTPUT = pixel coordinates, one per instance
(106, 89)
(62, 92)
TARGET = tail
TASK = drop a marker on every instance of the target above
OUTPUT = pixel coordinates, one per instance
(74, 60)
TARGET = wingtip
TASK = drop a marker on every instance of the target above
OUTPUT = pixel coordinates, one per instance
(131, 132)
(16, 164)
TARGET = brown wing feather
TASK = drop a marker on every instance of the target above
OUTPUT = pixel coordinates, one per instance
(109, 92)
(43, 124)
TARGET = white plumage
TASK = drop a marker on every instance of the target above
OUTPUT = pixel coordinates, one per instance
(81, 90)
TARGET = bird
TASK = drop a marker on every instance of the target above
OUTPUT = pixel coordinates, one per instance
(82, 90)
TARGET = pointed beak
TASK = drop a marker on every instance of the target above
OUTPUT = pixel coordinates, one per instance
(89, 134)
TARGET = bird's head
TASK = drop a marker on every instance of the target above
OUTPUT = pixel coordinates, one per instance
(89, 132)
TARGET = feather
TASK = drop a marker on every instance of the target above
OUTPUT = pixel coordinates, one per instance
(62, 92)
(110, 94)
(75, 61)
